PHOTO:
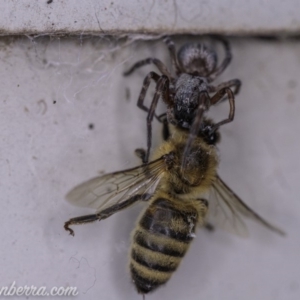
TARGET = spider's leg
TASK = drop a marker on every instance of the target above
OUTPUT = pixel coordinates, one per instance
(236, 83)
(216, 98)
(161, 67)
(162, 88)
(225, 63)
(151, 76)
(172, 50)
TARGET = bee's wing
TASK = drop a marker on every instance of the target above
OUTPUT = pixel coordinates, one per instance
(228, 209)
(104, 191)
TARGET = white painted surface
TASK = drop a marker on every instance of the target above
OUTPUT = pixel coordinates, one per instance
(170, 16)
(47, 148)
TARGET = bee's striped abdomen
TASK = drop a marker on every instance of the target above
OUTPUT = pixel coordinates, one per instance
(160, 241)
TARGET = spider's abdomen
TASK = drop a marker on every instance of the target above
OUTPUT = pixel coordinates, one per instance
(197, 59)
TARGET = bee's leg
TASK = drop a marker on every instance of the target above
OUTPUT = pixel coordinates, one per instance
(140, 153)
(202, 209)
(101, 215)
(166, 131)
(80, 220)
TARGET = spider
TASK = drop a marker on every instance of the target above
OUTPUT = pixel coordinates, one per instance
(187, 93)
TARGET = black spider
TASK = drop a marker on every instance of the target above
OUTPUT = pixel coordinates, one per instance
(187, 94)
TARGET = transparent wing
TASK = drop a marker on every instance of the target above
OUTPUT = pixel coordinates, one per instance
(227, 209)
(104, 191)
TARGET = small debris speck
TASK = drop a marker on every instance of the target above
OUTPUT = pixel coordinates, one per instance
(49, 1)
(127, 94)
(91, 126)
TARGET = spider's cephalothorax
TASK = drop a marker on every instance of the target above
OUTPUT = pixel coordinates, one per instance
(188, 94)
(186, 99)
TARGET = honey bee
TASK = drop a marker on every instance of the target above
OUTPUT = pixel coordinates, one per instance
(176, 194)
(181, 174)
